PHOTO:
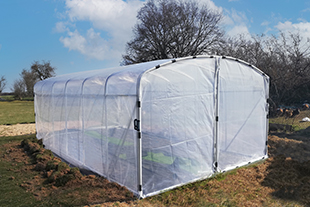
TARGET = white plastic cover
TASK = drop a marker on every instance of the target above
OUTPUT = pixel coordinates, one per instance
(88, 119)
(177, 123)
(243, 92)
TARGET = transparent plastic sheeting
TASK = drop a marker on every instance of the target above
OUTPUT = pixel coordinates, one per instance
(88, 119)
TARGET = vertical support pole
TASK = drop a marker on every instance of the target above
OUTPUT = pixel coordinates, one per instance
(139, 137)
(267, 112)
(82, 107)
(104, 130)
(51, 104)
(216, 108)
(137, 126)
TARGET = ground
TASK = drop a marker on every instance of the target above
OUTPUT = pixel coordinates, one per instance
(18, 129)
(281, 180)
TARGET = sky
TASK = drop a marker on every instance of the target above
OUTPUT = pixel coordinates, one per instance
(81, 35)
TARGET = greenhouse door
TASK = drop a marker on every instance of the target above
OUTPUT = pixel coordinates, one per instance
(243, 93)
(177, 121)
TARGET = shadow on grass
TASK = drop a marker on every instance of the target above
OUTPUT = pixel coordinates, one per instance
(290, 179)
(289, 171)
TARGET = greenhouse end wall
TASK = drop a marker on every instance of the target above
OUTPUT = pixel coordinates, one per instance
(157, 125)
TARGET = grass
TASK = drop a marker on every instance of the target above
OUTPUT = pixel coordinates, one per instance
(16, 112)
(295, 122)
(12, 98)
(8, 97)
(11, 179)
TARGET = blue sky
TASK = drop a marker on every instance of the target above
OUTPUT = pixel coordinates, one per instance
(80, 35)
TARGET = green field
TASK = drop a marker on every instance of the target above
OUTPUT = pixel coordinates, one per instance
(16, 112)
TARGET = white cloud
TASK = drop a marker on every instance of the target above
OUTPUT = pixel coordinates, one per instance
(301, 20)
(60, 15)
(92, 45)
(238, 17)
(113, 18)
(306, 10)
(227, 20)
(235, 23)
(303, 28)
(265, 23)
(239, 30)
(211, 5)
(60, 27)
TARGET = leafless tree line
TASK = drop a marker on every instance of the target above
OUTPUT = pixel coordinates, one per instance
(285, 58)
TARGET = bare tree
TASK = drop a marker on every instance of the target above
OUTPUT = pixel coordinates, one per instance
(43, 71)
(19, 89)
(2, 83)
(24, 86)
(171, 28)
(30, 79)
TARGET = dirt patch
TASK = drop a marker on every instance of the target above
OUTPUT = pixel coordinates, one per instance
(18, 129)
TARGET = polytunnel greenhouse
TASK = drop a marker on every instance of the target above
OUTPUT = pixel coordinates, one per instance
(157, 125)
